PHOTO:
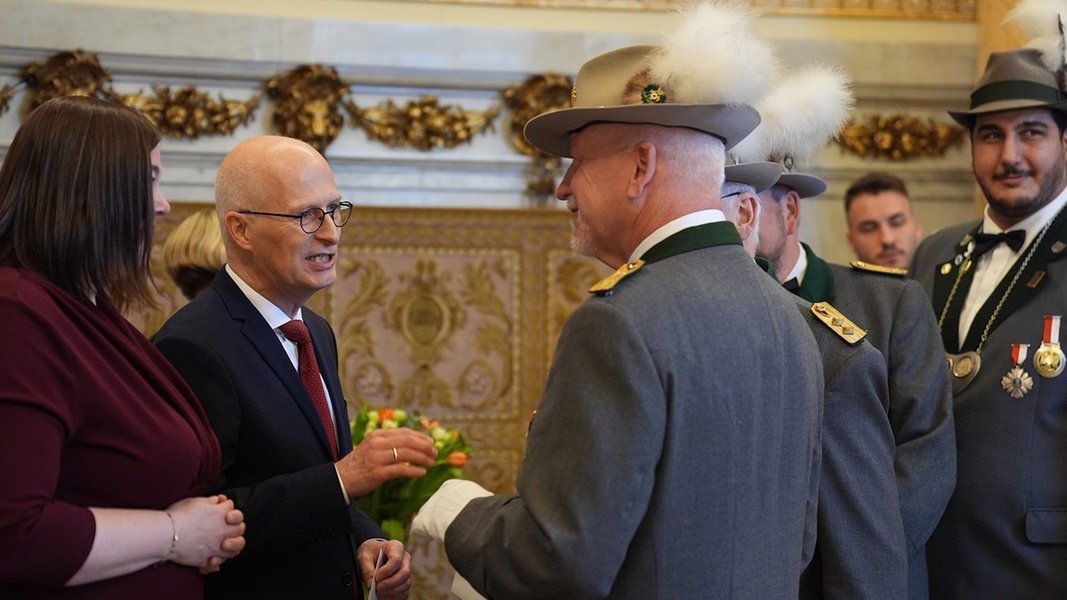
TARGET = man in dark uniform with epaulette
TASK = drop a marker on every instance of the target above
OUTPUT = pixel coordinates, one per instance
(999, 287)
(860, 553)
(896, 314)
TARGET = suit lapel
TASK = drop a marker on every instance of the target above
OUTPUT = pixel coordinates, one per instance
(1032, 279)
(265, 341)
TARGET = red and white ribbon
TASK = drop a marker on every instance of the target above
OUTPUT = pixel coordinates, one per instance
(1052, 329)
(1018, 352)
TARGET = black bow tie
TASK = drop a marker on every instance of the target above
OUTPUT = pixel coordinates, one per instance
(984, 242)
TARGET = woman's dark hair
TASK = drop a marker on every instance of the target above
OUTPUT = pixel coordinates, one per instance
(76, 203)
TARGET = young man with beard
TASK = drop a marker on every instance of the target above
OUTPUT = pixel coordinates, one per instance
(998, 288)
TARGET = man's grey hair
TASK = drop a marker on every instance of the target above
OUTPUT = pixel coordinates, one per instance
(731, 196)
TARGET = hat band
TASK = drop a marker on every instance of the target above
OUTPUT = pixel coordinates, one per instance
(1015, 90)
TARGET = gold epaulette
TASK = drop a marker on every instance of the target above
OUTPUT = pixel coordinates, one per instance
(860, 265)
(838, 322)
(606, 286)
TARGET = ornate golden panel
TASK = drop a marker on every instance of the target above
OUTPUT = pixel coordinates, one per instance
(452, 312)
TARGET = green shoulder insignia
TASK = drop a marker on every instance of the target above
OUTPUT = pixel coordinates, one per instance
(606, 286)
(860, 265)
(838, 322)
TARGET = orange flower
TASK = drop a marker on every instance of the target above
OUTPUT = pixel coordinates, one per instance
(457, 459)
(386, 414)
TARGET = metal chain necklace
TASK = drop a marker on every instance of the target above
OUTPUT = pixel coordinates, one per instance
(964, 366)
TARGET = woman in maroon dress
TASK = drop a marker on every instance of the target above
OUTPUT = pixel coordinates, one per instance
(104, 450)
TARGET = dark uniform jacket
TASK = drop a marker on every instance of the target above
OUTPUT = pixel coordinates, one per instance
(860, 552)
(1004, 533)
(899, 323)
(675, 452)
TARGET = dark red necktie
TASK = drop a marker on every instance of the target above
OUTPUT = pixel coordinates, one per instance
(297, 332)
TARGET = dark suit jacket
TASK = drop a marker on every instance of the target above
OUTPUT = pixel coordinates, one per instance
(900, 324)
(276, 461)
(1004, 533)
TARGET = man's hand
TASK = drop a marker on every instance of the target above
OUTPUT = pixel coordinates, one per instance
(383, 455)
(394, 575)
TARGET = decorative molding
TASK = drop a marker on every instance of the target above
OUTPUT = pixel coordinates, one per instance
(536, 95)
(307, 100)
(185, 113)
(422, 124)
(899, 137)
(963, 10)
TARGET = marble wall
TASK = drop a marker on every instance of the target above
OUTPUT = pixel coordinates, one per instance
(467, 56)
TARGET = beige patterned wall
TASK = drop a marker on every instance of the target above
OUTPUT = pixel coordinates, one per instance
(451, 312)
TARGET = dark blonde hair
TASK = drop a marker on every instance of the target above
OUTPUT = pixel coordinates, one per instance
(193, 253)
(76, 203)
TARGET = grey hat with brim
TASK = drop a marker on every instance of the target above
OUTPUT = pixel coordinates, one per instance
(806, 186)
(612, 88)
(761, 175)
(1013, 80)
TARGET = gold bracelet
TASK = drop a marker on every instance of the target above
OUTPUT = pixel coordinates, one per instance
(174, 536)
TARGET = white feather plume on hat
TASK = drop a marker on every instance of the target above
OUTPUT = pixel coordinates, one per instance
(711, 53)
(707, 74)
(802, 112)
(1043, 23)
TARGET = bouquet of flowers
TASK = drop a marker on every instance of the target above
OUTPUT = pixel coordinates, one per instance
(396, 501)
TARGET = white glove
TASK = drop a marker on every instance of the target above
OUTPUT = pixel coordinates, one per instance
(463, 590)
(442, 508)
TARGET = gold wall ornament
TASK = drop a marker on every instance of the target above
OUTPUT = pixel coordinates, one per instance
(189, 112)
(527, 99)
(185, 113)
(6, 93)
(899, 137)
(423, 124)
(70, 73)
(308, 99)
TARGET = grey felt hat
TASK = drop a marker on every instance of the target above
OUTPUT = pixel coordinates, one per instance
(1013, 80)
(761, 175)
(806, 185)
(615, 87)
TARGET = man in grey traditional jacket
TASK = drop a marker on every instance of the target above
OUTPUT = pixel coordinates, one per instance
(676, 447)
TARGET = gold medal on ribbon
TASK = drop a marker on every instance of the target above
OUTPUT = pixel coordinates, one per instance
(1049, 358)
(1017, 382)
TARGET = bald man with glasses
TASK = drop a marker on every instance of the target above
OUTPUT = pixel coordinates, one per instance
(265, 368)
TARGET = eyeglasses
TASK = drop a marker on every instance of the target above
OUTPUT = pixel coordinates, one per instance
(312, 219)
